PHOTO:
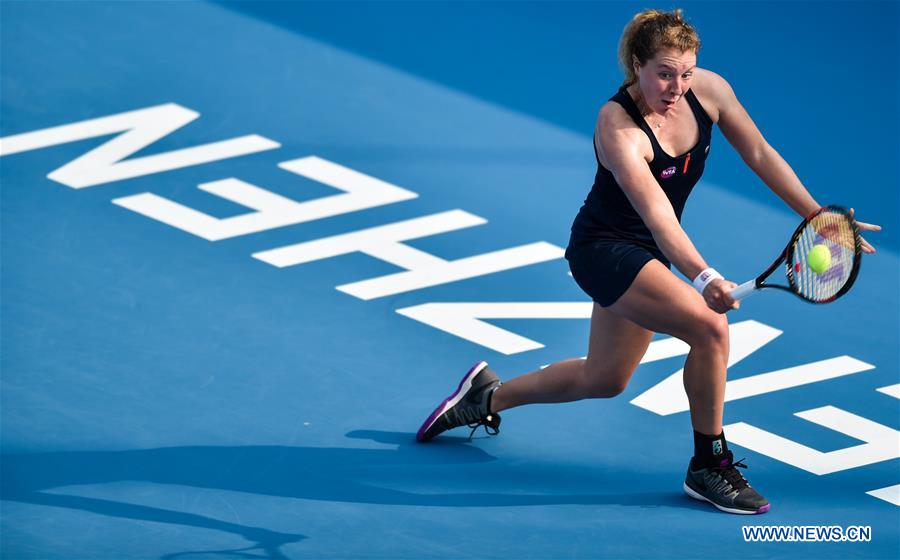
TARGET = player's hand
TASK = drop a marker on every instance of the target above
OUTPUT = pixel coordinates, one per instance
(718, 296)
(866, 247)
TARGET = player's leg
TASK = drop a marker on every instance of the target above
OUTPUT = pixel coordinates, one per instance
(659, 301)
(615, 349)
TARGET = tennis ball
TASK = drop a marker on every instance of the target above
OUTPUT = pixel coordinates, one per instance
(819, 259)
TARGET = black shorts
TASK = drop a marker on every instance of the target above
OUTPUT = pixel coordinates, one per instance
(604, 269)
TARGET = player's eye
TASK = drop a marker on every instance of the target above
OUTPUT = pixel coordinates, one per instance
(665, 75)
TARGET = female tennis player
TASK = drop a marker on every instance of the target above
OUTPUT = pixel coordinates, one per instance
(651, 142)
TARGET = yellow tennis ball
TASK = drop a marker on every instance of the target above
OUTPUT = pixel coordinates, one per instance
(819, 259)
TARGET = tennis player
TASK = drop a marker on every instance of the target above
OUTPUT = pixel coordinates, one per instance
(651, 143)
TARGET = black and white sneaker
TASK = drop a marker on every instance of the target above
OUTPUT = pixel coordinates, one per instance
(725, 487)
(468, 406)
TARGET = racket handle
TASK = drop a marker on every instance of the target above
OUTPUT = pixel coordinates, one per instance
(744, 290)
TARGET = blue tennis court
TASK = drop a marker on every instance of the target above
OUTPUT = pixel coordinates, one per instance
(248, 247)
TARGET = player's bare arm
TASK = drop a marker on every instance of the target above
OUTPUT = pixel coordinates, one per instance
(743, 134)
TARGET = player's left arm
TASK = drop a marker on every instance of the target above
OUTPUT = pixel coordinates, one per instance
(740, 131)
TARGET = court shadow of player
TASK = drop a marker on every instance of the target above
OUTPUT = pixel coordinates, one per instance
(449, 470)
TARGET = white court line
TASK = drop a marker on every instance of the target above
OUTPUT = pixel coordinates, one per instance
(888, 494)
(891, 390)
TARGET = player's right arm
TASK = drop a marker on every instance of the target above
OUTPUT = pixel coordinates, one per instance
(625, 150)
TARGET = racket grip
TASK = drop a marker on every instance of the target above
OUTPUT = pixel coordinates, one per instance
(744, 290)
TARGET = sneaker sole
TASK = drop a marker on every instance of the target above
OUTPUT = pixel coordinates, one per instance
(694, 494)
(450, 401)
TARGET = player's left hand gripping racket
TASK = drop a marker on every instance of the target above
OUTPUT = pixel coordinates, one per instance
(832, 227)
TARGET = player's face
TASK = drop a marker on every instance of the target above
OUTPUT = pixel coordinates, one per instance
(666, 77)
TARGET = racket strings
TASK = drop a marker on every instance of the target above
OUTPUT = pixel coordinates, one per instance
(835, 232)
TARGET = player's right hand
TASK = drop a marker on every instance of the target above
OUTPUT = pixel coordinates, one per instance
(718, 296)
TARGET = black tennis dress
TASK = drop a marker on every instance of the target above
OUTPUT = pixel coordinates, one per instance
(610, 243)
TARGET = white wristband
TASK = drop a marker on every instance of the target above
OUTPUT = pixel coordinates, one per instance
(704, 278)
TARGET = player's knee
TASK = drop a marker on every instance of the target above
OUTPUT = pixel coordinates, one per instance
(609, 389)
(711, 331)
(602, 383)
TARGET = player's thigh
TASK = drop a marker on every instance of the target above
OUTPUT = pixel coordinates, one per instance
(616, 345)
(659, 301)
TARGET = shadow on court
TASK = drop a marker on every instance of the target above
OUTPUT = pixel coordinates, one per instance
(330, 474)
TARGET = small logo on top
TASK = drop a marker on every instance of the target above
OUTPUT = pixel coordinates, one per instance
(667, 172)
(717, 447)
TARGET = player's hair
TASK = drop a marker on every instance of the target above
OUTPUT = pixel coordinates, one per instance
(650, 31)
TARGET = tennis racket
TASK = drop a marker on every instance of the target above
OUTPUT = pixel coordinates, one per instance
(837, 264)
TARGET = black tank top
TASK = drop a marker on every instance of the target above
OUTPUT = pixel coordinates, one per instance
(607, 214)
